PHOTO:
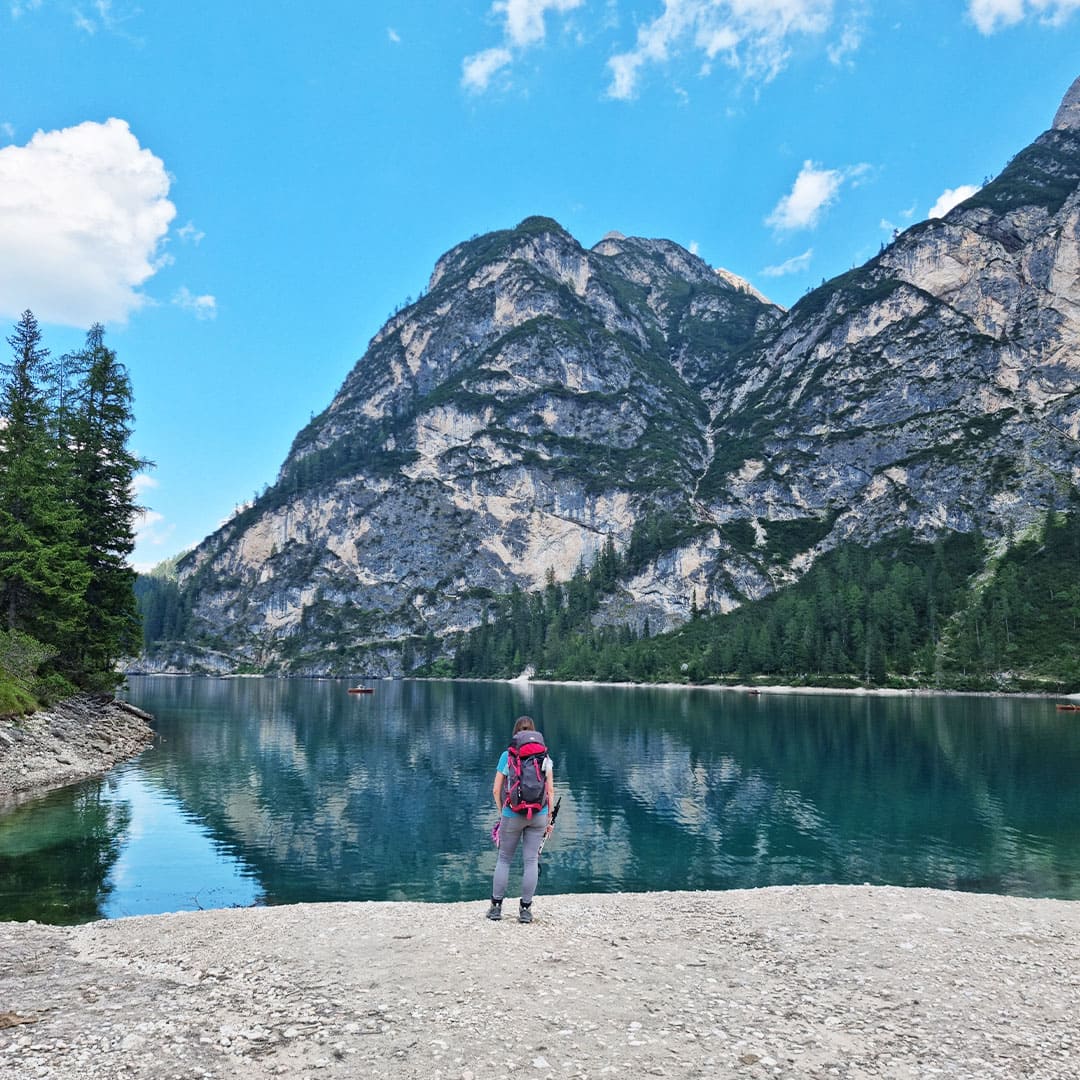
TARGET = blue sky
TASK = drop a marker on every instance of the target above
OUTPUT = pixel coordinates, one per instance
(243, 193)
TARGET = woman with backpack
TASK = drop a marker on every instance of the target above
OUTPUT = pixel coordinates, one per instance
(524, 792)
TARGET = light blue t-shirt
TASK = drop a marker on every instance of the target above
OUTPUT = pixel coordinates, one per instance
(504, 768)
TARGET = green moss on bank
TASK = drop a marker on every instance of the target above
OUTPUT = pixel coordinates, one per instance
(14, 700)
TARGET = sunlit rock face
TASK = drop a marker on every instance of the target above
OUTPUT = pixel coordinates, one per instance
(538, 399)
(1067, 117)
(934, 388)
(541, 397)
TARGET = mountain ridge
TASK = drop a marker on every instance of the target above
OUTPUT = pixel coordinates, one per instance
(541, 397)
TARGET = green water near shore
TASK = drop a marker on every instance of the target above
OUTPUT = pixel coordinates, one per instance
(281, 791)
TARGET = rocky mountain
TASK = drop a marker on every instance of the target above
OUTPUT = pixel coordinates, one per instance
(541, 397)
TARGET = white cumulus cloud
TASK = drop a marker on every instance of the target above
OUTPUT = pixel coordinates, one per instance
(795, 265)
(991, 15)
(814, 191)
(750, 36)
(83, 212)
(523, 26)
(951, 197)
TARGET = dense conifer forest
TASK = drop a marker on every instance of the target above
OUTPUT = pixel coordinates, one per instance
(950, 614)
(901, 613)
(67, 605)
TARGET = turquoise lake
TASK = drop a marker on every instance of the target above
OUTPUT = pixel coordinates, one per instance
(261, 791)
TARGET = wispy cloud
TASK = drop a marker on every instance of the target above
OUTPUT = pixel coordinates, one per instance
(152, 531)
(795, 265)
(477, 71)
(951, 197)
(191, 235)
(525, 18)
(750, 36)
(7, 129)
(84, 213)
(95, 16)
(150, 527)
(814, 191)
(101, 16)
(204, 307)
(141, 483)
(992, 15)
(21, 7)
(849, 42)
(523, 27)
(393, 35)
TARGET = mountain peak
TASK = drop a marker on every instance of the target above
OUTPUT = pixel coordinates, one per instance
(1067, 117)
(538, 225)
(740, 284)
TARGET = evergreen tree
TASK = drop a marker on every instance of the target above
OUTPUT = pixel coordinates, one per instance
(43, 574)
(102, 471)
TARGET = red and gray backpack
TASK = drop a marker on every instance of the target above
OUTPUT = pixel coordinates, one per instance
(526, 783)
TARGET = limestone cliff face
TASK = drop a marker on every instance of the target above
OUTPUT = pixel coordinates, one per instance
(934, 388)
(541, 397)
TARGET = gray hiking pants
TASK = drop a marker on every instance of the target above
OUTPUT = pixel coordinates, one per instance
(511, 830)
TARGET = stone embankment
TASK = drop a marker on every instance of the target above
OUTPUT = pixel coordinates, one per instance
(849, 982)
(77, 738)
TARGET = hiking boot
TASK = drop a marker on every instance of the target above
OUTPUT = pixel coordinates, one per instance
(495, 911)
(525, 912)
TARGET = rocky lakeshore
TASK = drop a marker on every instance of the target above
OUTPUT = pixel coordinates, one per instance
(74, 739)
(826, 981)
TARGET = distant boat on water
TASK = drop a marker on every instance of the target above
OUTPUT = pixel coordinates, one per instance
(1069, 706)
(361, 689)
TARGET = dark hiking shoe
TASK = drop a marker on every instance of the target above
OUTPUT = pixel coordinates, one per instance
(495, 911)
(525, 913)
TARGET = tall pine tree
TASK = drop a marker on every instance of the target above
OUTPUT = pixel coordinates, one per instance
(102, 471)
(43, 572)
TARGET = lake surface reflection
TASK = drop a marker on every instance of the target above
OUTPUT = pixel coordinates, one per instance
(280, 791)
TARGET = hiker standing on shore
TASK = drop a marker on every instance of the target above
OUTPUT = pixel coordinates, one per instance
(524, 792)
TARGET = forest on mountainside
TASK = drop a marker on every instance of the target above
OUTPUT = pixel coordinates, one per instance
(900, 614)
(67, 512)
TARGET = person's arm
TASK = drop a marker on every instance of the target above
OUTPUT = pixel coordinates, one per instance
(497, 790)
(549, 794)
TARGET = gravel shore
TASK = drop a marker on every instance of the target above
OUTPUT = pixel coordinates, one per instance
(825, 981)
(81, 737)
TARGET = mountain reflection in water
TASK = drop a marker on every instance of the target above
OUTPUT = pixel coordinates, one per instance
(280, 791)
